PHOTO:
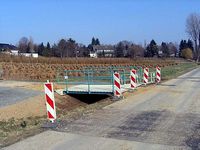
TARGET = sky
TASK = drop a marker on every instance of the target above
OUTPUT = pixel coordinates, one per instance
(109, 20)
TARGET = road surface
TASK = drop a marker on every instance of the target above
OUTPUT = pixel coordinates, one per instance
(164, 117)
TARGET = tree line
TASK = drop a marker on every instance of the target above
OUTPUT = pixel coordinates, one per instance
(64, 48)
(188, 49)
(70, 48)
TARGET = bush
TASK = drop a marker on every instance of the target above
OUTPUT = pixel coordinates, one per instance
(187, 53)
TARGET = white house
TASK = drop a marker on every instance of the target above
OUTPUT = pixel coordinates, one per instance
(105, 52)
(93, 54)
(34, 55)
(102, 51)
(17, 53)
(14, 52)
(25, 54)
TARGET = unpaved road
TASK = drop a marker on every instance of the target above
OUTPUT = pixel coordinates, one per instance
(21, 99)
(13, 92)
(165, 117)
(10, 96)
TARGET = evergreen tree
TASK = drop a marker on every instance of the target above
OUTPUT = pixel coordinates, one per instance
(48, 51)
(90, 47)
(71, 40)
(41, 49)
(180, 48)
(48, 46)
(93, 41)
(152, 49)
(190, 45)
(97, 42)
(184, 45)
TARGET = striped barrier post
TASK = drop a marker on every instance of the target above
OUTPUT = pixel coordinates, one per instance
(50, 101)
(117, 85)
(158, 74)
(146, 75)
(133, 79)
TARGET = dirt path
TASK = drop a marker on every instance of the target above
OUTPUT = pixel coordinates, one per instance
(26, 99)
(20, 100)
(30, 107)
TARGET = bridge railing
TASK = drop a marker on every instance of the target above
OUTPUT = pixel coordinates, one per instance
(91, 76)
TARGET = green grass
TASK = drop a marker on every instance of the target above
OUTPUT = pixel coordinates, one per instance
(171, 72)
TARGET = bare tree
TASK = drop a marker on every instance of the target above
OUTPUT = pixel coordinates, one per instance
(62, 47)
(136, 51)
(30, 45)
(172, 48)
(193, 30)
(71, 48)
(23, 44)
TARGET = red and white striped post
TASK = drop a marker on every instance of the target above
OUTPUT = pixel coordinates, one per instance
(158, 74)
(146, 75)
(133, 79)
(50, 101)
(117, 85)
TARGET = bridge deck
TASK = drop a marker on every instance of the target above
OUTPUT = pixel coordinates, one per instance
(94, 89)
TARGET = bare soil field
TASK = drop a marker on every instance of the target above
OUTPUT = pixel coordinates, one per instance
(42, 69)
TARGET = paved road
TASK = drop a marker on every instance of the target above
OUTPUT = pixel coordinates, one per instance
(165, 117)
(12, 95)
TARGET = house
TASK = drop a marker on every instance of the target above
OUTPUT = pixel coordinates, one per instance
(25, 54)
(17, 53)
(11, 52)
(14, 52)
(34, 55)
(4, 47)
(93, 54)
(160, 53)
(102, 51)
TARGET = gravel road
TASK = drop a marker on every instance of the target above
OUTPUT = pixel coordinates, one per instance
(163, 117)
(12, 95)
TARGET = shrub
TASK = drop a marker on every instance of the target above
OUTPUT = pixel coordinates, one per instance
(187, 53)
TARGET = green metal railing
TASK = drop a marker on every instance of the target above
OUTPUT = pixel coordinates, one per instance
(88, 77)
(101, 76)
